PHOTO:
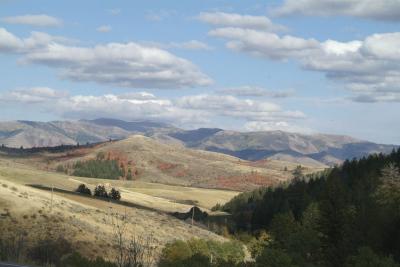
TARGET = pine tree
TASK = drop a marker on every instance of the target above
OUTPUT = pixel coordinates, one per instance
(334, 223)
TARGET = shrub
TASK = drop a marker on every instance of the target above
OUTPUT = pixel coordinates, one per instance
(274, 258)
(100, 191)
(198, 252)
(367, 258)
(174, 254)
(49, 251)
(115, 194)
(77, 260)
(83, 189)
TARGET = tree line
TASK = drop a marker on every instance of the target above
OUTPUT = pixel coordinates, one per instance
(346, 216)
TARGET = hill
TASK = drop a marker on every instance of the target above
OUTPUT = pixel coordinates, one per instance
(87, 223)
(324, 148)
(150, 161)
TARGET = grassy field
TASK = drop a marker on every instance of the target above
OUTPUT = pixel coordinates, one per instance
(82, 220)
(153, 195)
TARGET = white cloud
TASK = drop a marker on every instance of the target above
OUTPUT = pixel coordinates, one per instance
(33, 95)
(104, 28)
(9, 43)
(138, 95)
(125, 65)
(258, 126)
(230, 106)
(265, 44)
(365, 67)
(239, 21)
(40, 20)
(121, 64)
(255, 91)
(186, 111)
(386, 10)
(377, 97)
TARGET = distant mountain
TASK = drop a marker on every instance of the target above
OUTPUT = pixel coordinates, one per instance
(35, 134)
(323, 148)
(316, 148)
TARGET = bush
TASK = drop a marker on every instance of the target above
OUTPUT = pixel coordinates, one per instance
(49, 251)
(100, 191)
(83, 189)
(115, 194)
(274, 258)
(77, 260)
(198, 252)
(367, 258)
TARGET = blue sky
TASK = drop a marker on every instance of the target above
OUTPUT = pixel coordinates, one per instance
(308, 66)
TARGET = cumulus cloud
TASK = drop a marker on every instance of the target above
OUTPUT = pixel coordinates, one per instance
(9, 43)
(130, 65)
(365, 67)
(255, 91)
(40, 20)
(199, 110)
(33, 95)
(265, 44)
(230, 106)
(104, 28)
(239, 21)
(386, 10)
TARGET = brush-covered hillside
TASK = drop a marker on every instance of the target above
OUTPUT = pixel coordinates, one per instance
(145, 159)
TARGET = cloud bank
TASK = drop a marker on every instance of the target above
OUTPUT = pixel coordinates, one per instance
(385, 10)
(41, 20)
(369, 68)
(186, 111)
(129, 65)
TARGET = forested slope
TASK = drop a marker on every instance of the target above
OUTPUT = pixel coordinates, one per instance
(342, 217)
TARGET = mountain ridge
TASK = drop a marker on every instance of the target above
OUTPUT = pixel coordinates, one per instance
(324, 148)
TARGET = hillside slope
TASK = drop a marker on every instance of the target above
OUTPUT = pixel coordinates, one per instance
(85, 222)
(152, 161)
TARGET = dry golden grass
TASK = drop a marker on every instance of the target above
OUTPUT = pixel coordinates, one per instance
(152, 195)
(85, 221)
(176, 165)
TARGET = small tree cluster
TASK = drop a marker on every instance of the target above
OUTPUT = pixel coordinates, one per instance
(100, 191)
(115, 194)
(83, 189)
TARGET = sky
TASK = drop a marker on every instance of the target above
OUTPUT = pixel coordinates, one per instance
(309, 66)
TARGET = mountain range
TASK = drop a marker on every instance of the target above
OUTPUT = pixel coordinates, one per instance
(295, 147)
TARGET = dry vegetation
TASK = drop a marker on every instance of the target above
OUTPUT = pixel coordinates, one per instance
(151, 161)
(84, 221)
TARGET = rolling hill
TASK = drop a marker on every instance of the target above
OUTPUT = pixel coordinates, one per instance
(151, 161)
(295, 147)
